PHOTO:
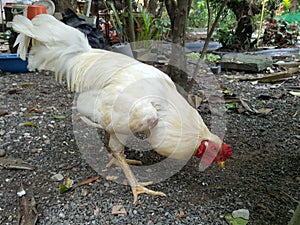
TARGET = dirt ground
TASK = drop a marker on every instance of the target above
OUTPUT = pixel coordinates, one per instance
(263, 175)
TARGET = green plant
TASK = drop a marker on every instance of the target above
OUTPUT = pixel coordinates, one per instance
(6, 35)
(226, 36)
(211, 57)
(286, 3)
(118, 24)
(283, 30)
(151, 28)
(193, 55)
(162, 28)
(144, 26)
(198, 15)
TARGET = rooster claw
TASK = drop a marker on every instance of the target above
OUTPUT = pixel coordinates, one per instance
(141, 189)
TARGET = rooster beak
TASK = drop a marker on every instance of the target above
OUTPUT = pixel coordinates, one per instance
(221, 164)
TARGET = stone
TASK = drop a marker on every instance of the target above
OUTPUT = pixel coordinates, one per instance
(246, 62)
(241, 213)
(2, 152)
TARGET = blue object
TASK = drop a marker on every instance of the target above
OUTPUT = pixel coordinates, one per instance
(12, 63)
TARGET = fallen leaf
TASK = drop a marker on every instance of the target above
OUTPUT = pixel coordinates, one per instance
(250, 108)
(28, 84)
(4, 112)
(235, 221)
(27, 212)
(118, 209)
(15, 91)
(295, 93)
(231, 105)
(194, 100)
(35, 110)
(15, 163)
(28, 124)
(59, 117)
(67, 186)
(264, 111)
(261, 206)
(180, 214)
(226, 91)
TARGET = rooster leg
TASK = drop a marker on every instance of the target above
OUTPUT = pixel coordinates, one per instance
(120, 160)
(136, 187)
(128, 161)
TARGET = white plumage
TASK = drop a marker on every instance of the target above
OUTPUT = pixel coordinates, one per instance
(118, 93)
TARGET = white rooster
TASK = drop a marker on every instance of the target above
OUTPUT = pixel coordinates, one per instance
(103, 79)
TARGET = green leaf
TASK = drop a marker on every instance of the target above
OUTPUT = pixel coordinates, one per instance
(67, 186)
(63, 188)
(227, 91)
(231, 105)
(59, 117)
(235, 221)
(194, 56)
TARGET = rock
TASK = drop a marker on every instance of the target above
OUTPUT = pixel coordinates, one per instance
(246, 62)
(241, 213)
(57, 177)
(137, 53)
(148, 57)
(123, 49)
(2, 152)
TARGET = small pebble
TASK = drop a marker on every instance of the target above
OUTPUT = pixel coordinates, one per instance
(57, 177)
(2, 152)
(84, 192)
(61, 215)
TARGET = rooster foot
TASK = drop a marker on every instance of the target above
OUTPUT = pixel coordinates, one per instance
(141, 189)
(136, 187)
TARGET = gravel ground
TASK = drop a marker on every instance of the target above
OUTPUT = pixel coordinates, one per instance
(263, 175)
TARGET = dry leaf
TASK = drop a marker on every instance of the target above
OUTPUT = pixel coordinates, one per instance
(118, 209)
(15, 91)
(180, 214)
(35, 110)
(28, 84)
(194, 100)
(4, 112)
(28, 124)
(27, 212)
(15, 163)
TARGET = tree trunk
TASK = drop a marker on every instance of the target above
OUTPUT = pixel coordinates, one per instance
(178, 12)
(61, 5)
(244, 12)
(294, 6)
(129, 10)
(211, 30)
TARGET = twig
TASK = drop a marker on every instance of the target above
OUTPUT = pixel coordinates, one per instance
(85, 182)
(261, 206)
(292, 198)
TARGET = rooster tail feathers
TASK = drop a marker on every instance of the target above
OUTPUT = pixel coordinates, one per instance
(54, 44)
(23, 39)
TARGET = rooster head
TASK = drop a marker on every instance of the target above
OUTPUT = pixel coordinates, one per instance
(210, 151)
